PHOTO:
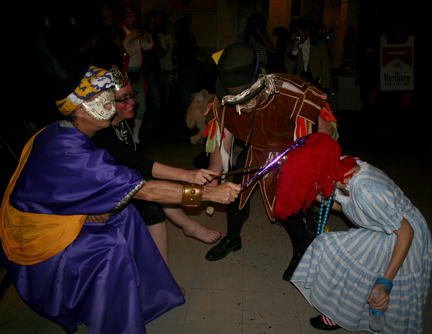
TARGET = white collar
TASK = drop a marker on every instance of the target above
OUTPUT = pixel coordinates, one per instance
(128, 32)
(306, 43)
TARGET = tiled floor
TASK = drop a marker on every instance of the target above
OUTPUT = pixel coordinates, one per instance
(243, 293)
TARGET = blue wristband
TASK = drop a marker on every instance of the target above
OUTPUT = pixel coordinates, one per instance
(384, 281)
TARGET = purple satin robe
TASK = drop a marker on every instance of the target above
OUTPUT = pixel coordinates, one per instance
(111, 277)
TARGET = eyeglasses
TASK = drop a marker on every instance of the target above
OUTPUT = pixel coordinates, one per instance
(131, 96)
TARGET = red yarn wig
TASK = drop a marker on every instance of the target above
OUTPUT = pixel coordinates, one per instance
(309, 170)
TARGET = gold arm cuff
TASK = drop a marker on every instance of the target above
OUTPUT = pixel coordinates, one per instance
(192, 195)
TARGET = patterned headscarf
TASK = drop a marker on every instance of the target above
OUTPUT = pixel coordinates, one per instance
(94, 81)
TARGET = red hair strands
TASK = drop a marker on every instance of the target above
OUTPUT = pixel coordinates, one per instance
(309, 170)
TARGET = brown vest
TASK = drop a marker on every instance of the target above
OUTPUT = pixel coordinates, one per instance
(273, 129)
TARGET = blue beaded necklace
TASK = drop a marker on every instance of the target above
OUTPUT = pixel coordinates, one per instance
(323, 214)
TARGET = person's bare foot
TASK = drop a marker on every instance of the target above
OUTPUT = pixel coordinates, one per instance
(183, 290)
(202, 233)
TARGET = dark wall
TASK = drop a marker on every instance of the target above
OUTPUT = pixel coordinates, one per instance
(380, 17)
(28, 106)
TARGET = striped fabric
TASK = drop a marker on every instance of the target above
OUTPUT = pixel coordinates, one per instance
(328, 321)
(339, 269)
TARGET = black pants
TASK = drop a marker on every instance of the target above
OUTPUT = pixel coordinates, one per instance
(301, 228)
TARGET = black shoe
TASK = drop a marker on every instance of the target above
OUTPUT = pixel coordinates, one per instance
(292, 267)
(319, 324)
(223, 248)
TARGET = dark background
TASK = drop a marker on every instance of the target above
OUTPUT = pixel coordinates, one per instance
(27, 105)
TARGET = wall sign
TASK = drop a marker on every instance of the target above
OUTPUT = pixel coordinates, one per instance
(397, 65)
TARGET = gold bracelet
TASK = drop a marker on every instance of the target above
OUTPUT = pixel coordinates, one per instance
(192, 195)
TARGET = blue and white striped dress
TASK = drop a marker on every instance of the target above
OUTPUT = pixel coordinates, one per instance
(339, 269)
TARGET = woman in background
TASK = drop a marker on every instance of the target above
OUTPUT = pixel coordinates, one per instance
(185, 52)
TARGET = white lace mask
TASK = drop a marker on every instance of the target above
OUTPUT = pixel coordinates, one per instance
(101, 106)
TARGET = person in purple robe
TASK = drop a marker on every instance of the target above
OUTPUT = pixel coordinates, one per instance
(74, 248)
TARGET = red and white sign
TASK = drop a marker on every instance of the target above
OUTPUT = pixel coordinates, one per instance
(397, 65)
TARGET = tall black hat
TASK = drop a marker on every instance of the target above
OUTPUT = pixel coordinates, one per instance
(238, 69)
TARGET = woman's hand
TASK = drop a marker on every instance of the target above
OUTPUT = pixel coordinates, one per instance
(145, 35)
(200, 176)
(405, 236)
(380, 303)
(134, 35)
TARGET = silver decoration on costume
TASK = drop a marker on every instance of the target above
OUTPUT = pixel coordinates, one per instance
(121, 133)
(269, 89)
(128, 197)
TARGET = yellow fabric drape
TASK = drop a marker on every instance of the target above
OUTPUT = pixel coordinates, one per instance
(29, 238)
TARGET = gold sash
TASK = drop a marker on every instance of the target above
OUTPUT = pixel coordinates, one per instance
(29, 238)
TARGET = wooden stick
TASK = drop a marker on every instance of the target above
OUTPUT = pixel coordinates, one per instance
(240, 170)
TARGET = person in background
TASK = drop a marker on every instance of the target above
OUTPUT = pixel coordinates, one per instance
(135, 41)
(349, 43)
(186, 58)
(255, 34)
(307, 56)
(108, 48)
(153, 71)
(282, 35)
(167, 44)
